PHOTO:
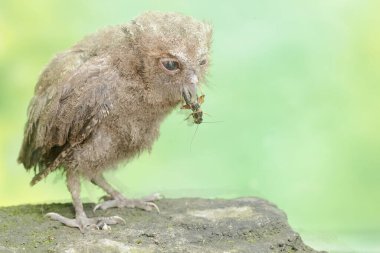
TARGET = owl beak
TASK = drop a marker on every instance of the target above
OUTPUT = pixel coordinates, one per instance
(187, 96)
(189, 92)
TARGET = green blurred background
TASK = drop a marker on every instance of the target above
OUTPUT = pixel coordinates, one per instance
(296, 85)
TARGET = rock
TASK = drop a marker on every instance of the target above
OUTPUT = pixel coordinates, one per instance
(184, 225)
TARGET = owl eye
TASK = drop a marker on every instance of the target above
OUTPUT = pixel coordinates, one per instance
(203, 62)
(170, 65)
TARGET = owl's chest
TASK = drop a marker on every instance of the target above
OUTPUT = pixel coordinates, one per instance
(134, 134)
(135, 123)
(136, 131)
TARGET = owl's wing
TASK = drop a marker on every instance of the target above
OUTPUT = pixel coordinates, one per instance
(64, 114)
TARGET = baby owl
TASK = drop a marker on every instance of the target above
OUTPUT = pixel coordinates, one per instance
(102, 102)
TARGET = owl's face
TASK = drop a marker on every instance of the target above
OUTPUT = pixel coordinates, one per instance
(174, 52)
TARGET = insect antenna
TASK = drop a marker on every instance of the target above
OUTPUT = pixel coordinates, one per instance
(208, 122)
(192, 139)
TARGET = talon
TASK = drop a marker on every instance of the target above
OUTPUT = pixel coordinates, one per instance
(120, 219)
(96, 207)
(155, 206)
(112, 220)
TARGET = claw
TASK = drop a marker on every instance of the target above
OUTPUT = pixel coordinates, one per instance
(154, 205)
(111, 220)
(120, 219)
(96, 207)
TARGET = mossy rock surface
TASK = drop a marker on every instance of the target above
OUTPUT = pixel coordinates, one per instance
(183, 225)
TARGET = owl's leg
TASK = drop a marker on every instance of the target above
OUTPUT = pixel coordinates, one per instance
(116, 199)
(81, 221)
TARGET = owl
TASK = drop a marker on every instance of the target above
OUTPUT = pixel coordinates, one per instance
(102, 102)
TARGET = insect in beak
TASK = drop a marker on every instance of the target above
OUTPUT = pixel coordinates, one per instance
(197, 113)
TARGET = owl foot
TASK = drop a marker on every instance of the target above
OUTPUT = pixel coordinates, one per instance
(84, 223)
(145, 203)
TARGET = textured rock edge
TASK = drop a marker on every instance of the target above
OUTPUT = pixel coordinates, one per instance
(184, 225)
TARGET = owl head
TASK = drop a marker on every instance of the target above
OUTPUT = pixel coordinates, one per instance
(173, 51)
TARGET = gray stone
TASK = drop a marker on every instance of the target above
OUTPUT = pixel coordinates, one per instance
(184, 225)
